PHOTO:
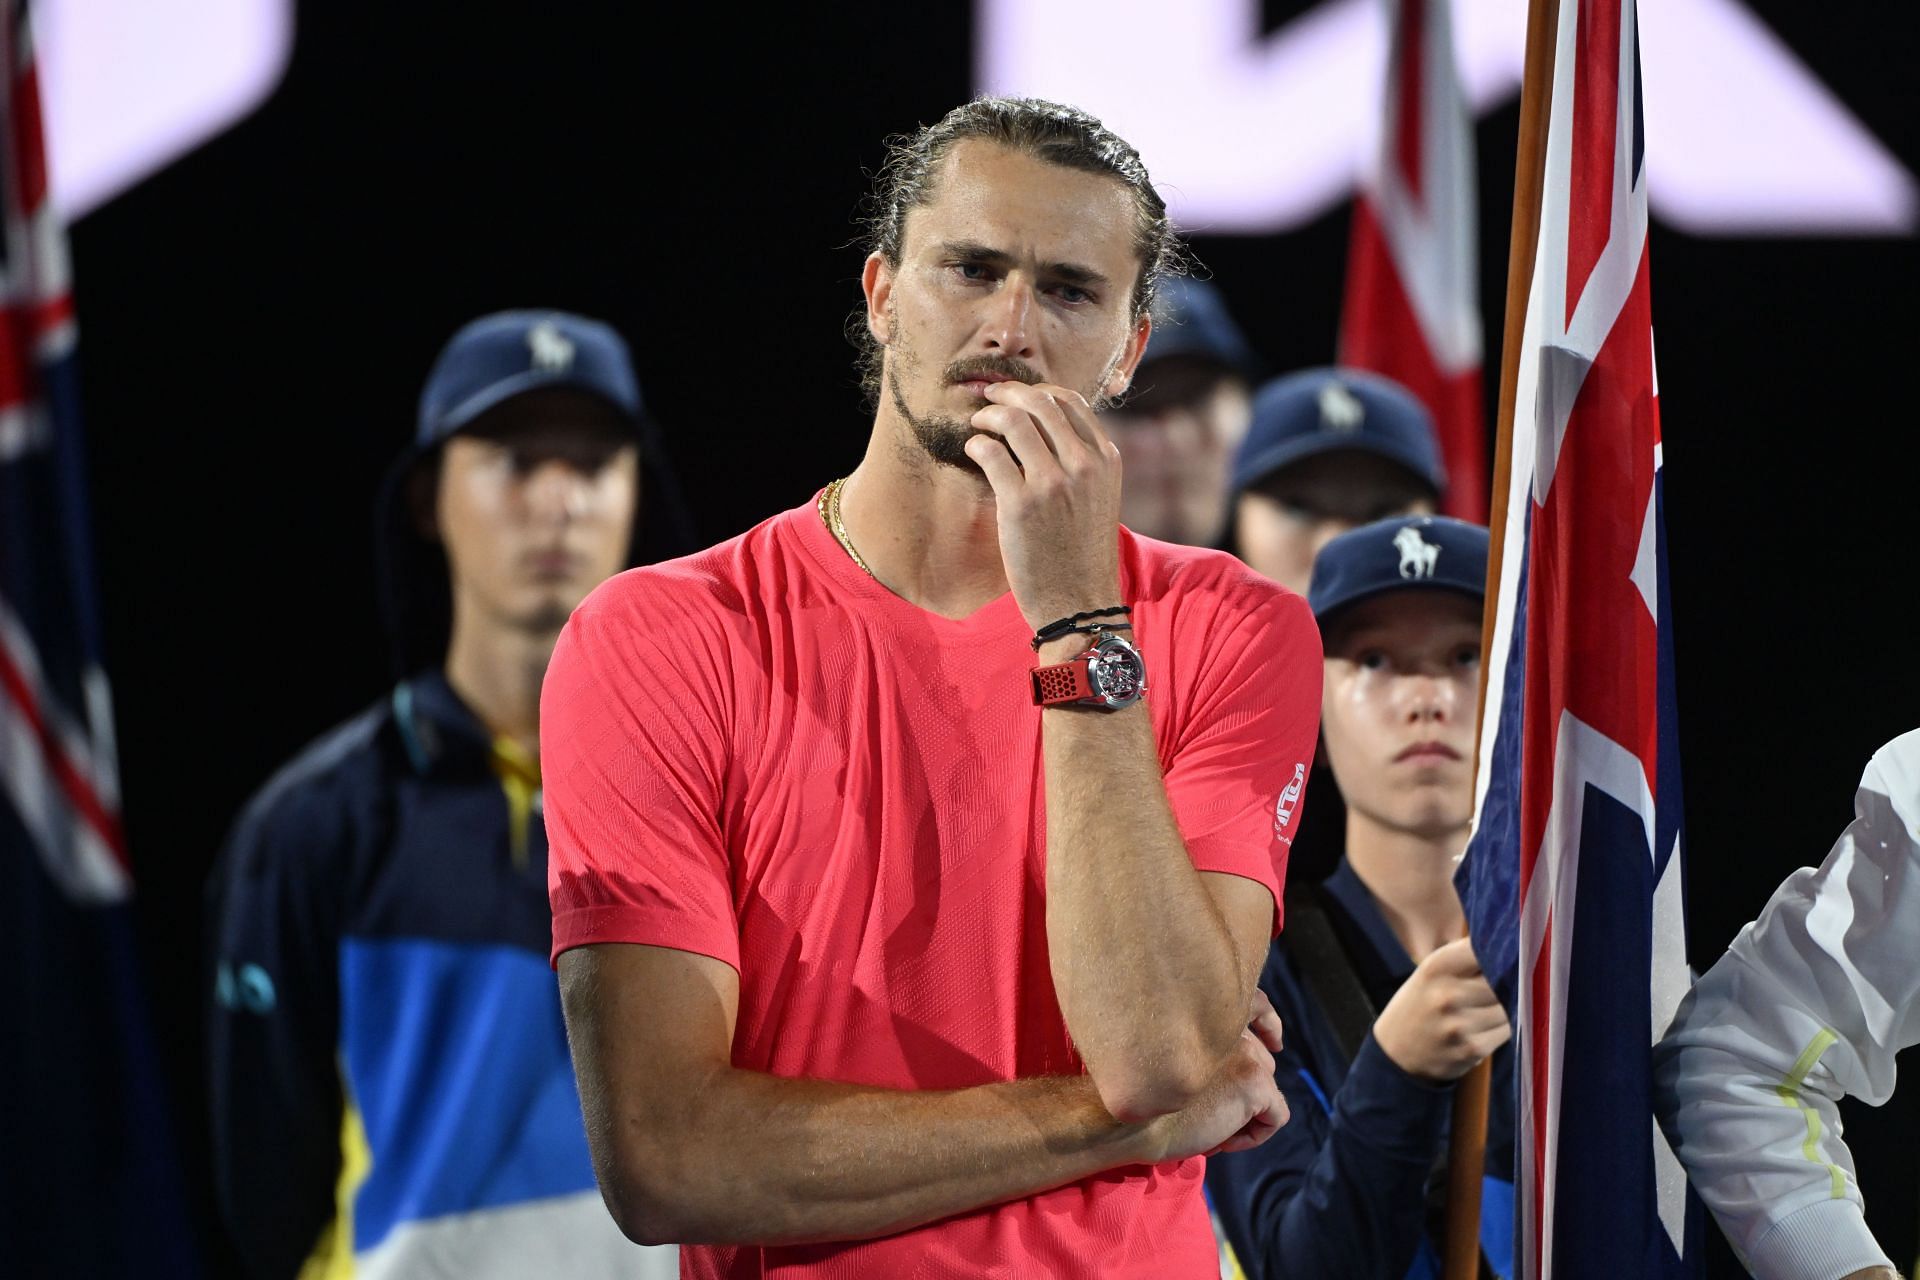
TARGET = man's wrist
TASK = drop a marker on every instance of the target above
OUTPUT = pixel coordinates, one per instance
(1104, 672)
(1063, 649)
(1075, 602)
(1116, 1142)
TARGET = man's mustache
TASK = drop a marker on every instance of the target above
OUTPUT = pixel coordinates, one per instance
(1003, 366)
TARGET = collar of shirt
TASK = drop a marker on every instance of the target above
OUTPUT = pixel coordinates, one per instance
(440, 731)
(1363, 913)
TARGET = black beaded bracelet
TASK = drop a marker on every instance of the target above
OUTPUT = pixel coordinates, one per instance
(1094, 629)
(1071, 624)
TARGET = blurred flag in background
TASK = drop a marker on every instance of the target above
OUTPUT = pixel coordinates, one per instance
(88, 1186)
(1412, 306)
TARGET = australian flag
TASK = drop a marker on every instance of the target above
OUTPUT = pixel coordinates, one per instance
(1572, 880)
(88, 1186)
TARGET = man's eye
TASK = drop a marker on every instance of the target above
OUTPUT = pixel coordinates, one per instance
(1468, 656)
(1072, 294)
(1372, 660)
(970, 270)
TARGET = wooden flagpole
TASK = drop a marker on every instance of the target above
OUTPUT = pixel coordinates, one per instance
(1467, 1143)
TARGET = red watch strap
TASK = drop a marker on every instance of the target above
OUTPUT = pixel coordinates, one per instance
(1062, 682)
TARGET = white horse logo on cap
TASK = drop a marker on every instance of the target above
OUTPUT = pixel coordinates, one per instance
(1417, 555)
(552, 350)
(1340, 409)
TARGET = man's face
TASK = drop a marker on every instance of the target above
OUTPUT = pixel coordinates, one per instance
(1402, 685)
(1016, 269)
(535, 506)
(1177, 436)
(1281, 523)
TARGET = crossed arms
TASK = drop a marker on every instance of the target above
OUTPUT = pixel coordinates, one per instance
(689, 1148)
(1155, 964)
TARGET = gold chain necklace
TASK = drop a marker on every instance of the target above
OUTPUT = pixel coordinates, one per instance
(830, 515)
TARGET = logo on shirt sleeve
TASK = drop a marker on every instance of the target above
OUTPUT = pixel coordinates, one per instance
(1283, 808)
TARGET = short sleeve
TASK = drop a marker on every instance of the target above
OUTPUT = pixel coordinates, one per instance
(632, 753)
(1237, 775)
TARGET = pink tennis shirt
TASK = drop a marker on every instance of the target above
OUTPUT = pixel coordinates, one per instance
(760, 754)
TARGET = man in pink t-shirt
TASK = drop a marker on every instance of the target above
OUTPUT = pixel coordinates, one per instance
(898, 934)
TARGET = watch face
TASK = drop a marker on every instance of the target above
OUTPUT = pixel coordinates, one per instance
(1116, 672)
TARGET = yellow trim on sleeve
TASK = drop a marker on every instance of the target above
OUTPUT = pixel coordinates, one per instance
(1789, 1091)
(332, 1257)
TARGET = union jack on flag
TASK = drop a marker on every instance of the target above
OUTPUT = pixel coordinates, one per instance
(89, 1184)
(1572, 880)
(1412, 306)
(57, 762)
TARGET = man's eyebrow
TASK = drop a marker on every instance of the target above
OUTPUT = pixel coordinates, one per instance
(1347, 632)
(1355, 633)
(1348, 635)
(1073, 273)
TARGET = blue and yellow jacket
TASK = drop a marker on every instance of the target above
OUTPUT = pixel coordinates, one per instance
(391, 1089)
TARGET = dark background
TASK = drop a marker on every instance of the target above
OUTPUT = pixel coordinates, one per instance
(256, 321)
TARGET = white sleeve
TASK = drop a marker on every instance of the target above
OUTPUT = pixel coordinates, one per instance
(1811, 1001)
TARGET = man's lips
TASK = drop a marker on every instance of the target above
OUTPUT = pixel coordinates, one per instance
(1427, 752)
(977, 383)
(552, 564)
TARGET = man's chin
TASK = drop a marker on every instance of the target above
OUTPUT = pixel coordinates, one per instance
(547, 610)
(1435, 822)
(944, 440)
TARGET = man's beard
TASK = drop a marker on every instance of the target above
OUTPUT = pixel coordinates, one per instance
(943, 437)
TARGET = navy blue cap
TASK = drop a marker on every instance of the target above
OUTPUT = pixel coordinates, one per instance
(1190, 319)
(486, 363)
(1399, 554)
(1317, 411)
(497, 357)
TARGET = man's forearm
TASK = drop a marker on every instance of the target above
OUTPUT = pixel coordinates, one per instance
(759, 1159)
(1144, 965)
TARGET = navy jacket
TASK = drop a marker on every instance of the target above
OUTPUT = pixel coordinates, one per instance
(1342, 1190)
(391, 1088)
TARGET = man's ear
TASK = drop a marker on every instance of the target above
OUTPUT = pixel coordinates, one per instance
(1122, 376)
(876, 282)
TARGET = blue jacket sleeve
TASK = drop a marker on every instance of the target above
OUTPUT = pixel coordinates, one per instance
(273, 1019)
(1340, 1190)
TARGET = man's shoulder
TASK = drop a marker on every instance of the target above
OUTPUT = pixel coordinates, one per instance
(1203, 583)
(320, 793)
(1894, 771)
(729, 578)
(1171, 567)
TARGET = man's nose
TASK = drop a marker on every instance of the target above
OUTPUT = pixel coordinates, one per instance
(1009, 330)
(1429, 698)
(556, 493)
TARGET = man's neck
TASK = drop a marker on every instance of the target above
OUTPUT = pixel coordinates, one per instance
(1410, 876)
(927, 531)
(497, 672)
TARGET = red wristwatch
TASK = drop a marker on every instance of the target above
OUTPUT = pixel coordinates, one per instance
(1106, 677)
